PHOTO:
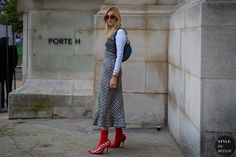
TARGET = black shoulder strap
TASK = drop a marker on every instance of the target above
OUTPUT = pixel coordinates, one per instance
(115, 39)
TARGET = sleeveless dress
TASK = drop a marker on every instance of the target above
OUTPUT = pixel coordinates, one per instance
(110, 111)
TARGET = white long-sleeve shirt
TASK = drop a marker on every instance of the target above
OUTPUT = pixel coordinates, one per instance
(120, 44)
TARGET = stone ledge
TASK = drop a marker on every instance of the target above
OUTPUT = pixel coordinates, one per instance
(45, 99)
(140, 9)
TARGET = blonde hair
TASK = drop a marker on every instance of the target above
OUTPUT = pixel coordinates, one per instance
(109, 30)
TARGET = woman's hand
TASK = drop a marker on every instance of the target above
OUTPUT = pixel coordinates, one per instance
(113, 82)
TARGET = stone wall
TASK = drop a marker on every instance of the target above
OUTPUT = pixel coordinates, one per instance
(201, 103)
(184, 76)
(218, 87)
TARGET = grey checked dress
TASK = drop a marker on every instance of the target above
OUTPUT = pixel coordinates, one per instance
(110, 110)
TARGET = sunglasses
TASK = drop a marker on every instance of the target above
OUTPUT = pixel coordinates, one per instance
(112, 17)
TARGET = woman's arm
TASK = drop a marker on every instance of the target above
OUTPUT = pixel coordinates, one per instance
(120, 44)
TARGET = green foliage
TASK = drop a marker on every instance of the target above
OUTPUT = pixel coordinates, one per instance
(9, 15)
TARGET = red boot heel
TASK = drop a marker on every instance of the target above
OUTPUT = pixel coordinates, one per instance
(123, 141)
(100, 149)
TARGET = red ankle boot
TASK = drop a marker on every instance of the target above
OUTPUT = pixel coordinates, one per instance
(119, 137)
(104, 143)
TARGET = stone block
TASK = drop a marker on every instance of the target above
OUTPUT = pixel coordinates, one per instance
(98, 75)
(158, 22)
(192, 102)
(126, 9)
(219, 14)
(142, 2)
(82, 101)
(218, 107)
(146, 45)
(176, 85)
(193, 16)
(30, 106)
(60, 100)
(130, 2)
(38, 98)
(99, 23)
(25, 48)
(83, 72)
(50, 59)
(145, 110)
(174, 119)
(177, 20)
(99, 44)
(47, 87)
(56, 60)
(218, 52)
(156, 77)
(186, 3)
(191, 50)
(49, 106)
(189, 137)
(72, 112)
(127, 21)
(174, 55)
(83, 87)
(134, 22)
(221, 1)
(138, 40)
(157, 45)
(167, 1)
(62, 20)
(133, 77)
(165, 10)
(27, 5)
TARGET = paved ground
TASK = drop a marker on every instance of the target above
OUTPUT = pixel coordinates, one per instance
(73, 137)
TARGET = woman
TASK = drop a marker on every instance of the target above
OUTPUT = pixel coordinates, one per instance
(110, 101)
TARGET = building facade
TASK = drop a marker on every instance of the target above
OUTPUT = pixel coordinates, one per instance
(181, 74)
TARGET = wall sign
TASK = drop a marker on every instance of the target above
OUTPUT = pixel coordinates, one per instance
(63, 41)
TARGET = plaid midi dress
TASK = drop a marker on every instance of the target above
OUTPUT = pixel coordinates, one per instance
(110, 111)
